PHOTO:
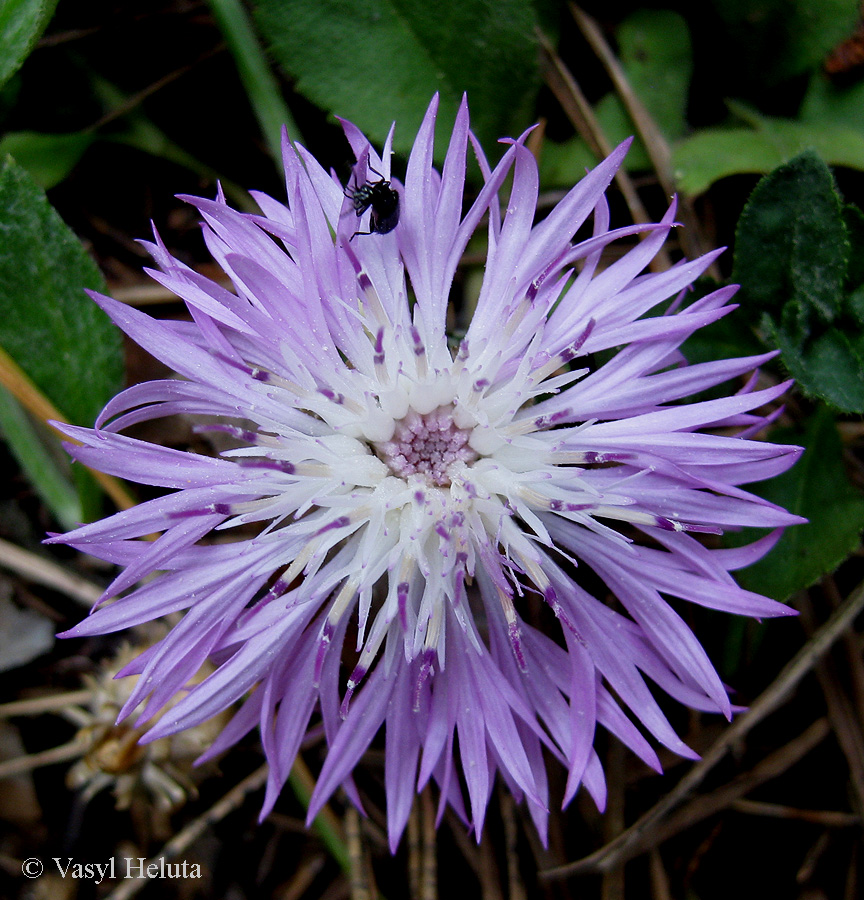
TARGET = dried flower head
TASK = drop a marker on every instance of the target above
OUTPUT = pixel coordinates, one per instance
(417, 506)
(113, 757)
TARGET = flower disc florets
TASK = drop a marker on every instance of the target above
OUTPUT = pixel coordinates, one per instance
(427, 496)
(428, 445)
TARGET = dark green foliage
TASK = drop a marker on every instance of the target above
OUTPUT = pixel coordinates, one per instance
(818, 489)
(59, 337)
(380, 61)
(797, 258)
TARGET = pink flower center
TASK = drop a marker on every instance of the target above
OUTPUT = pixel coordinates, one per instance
(427, 445)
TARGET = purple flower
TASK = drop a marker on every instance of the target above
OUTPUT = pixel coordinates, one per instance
(417, 506)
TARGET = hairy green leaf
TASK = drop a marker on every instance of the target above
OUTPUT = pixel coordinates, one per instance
(58, 336)
(854, 221)
(829, 366)
(816, 488)
(791, 243)
(794, 261)
(21, 23)
(380, 61)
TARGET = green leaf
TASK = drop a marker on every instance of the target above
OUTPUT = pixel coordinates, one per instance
(616, 124)
(856, 304)
(654, 49)
(830, 104)
(793, 258)
(816, 488)
(563, 163)
(49, 158)
(715, 153)
(381, 60)
(21, 24)
(49, 476)
(811, 28)
(854, 221)
(59, 337)
(830, 367)
(791, 243)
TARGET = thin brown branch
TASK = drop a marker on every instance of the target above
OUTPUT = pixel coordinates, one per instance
(516, 887)
(775, 695)
(139, 97)
(614, 821)
(655, 143)
(841, 713)
(490, 878)
(37, 705)
(852, 887)
(415, 851)
(191, 832)
(429, 837)
(49, 757)
(43, 571)
(812, 857)
(14, 379)
(827, 818)
(306, 873)
(362, 885)
(659, 879)
(700, 808)
(577, 108)
(477, 858)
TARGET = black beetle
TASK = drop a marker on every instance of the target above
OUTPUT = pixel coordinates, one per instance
(384, 201)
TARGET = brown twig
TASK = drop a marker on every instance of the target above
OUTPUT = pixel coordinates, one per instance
(841, 713)
(37, 705)
(43, 571)
(852, 888)
(429, 874)
(139, 97)
(700, 808)
(577, 108)
(362, 885)
(811, 860)
(827, 818)
(490, 878)
(659, 879)
(614, 821)
(853, 660)
(306, 873)
(188, 835)
(415, 851)
(14, 379)
(49, 757)
(515, 885)
(655, 143)
(621, 849)
(479, 861)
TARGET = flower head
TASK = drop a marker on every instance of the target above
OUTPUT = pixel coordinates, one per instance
(415, 504)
